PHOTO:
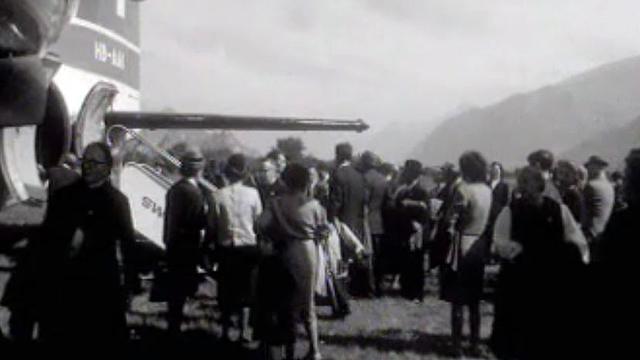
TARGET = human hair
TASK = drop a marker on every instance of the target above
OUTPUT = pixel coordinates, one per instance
(344, 152)
(297, 177)
(106, 150)
(530, 174)
(541, 158)
(566, 173)
(499, 166)
(236, 167)
(473, 167)
(411, 170)
(370, 160)
(616, 176)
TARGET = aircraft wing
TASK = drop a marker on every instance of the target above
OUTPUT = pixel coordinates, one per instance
(151, 120)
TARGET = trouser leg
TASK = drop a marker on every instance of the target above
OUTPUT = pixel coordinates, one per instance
(457, 317)
(176, 305)
(474, 323)
(21, 325)
(377, 263)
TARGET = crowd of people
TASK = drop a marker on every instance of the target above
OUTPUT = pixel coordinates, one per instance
(278, 236)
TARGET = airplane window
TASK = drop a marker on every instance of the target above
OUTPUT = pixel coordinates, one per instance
(121, 8)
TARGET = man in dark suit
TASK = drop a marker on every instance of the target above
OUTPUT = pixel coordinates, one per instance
(347, 191)
(347, 204)
(185, 217)
(377, 188)
(79, 292)
(599, 197)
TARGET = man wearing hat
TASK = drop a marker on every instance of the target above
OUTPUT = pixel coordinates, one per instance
(185, 217)
(599, 197)
(235, 212)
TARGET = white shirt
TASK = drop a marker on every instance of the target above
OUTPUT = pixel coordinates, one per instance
(237, 208)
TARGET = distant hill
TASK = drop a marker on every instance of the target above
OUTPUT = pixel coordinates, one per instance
(557, 117)
(612, 145)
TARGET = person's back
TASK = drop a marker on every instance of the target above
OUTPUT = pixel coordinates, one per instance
(477, 197)
(349, 192)
(238, 208)
(184, 218)
(377, 187)
(599, 197)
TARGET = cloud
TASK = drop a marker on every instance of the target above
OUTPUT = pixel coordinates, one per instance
(381, 60)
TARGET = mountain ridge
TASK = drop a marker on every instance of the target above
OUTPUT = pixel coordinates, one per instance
(558, 117)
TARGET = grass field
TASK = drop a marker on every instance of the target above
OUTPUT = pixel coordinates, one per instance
(384, 328)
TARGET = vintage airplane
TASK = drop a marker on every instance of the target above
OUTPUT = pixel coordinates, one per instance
(69, 75)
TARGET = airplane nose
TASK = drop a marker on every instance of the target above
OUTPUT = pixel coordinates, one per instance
(27, 27)
(23, 91)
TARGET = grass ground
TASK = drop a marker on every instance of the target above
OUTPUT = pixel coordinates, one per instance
(384, 328)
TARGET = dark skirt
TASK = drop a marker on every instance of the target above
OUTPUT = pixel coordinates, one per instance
(237, 277)
(273, 285)
(540, 305)
(464, 286)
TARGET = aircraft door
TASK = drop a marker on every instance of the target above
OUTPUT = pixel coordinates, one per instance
(89, 126)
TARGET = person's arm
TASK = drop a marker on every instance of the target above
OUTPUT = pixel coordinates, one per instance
(124, 224)
(170, 214)
(590, 211)
(257, 207)
(348, 237)
(573, 234)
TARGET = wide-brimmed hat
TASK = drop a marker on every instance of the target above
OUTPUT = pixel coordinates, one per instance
(595, 160)
(236, 166)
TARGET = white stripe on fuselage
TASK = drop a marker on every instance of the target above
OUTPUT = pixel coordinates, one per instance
(75, 84)
(104, 31)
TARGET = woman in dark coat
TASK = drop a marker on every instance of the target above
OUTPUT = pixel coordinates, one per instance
(82, 298)
(543, 252)
(412, 221)
(616, 302)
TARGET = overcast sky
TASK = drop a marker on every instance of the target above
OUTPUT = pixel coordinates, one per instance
(408, 61)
